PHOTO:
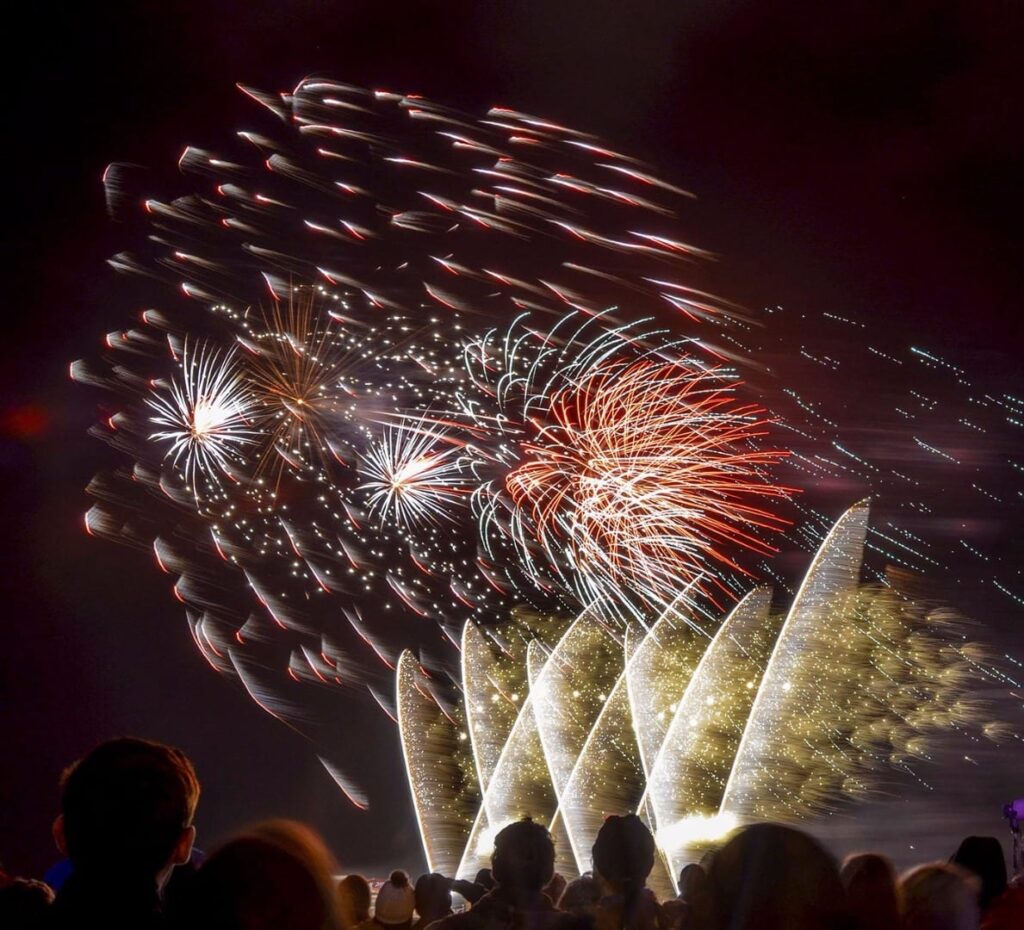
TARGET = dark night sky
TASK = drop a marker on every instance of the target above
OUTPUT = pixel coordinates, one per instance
(862, 156)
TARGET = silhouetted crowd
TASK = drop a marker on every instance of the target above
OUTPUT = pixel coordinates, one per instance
(126, 830)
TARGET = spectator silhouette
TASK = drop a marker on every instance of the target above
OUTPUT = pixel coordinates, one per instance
(871, 899)
(1007, 911)
(623, 858)
(474, 890)
(305, 844)
(433, 899)
(354, 900)
(484, 879)
(275, 877)
(125, 822)
(523, 862)
(694, 897)
(178, 886)
(471, 891)
(983, 856)
(693, 881)
(769, 877)
(24, 903)
(939, 897)
(395, 904)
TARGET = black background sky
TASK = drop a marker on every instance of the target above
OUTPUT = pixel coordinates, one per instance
(864, 156)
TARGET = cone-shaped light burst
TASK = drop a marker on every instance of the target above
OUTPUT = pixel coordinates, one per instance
(821, 606)
(520, 784)
(608, 775)
(431, 745)
(658, 669)
(695, 759)
(490, 709)
(570, 693)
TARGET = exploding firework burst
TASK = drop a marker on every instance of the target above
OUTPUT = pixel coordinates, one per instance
(645, 471)
(297, 368)
(628, 470)
(206, 414)
(414, 474)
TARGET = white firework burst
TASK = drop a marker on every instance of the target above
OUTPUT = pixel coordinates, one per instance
(206, 415)
(415, 473)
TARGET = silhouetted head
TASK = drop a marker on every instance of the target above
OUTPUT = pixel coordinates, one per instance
(524, 857)
(870, 884)
(24, 903)
(354, 899)
(254, 882)
(624, 852)
(433, 896)
(127, 807)
(695, 893)
(693, 882)
(768, 876)
(484, 879)
(939, 897)
(983, 856)
(300, 840)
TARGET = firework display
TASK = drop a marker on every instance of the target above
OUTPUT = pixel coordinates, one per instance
(420, 380)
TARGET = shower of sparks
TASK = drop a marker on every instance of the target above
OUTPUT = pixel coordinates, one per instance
(619, 467)
(297, 366)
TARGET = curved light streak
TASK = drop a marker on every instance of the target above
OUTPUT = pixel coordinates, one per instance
(570, 692)
(488, 729)
(687, 779)
(657, 675)
(428, 751)
(608, 775)
(520, 784)
(833, 576)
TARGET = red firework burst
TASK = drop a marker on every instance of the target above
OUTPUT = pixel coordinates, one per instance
(647, 474)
